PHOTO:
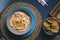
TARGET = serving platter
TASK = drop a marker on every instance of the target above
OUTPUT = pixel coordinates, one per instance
(36, 19)
(56, 12)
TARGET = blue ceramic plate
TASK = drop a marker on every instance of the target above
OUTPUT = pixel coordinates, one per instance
(33, 21)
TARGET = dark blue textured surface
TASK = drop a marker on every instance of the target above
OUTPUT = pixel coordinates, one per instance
(44, 11)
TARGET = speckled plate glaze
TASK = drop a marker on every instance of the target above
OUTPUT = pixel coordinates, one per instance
(34, 31)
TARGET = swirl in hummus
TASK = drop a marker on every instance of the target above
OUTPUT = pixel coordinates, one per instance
(19, 21)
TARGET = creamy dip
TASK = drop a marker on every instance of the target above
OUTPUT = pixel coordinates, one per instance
(19, 21)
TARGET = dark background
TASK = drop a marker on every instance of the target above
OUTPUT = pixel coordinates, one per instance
(44, 11)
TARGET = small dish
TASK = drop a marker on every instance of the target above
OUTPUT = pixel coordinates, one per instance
(50, 26)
